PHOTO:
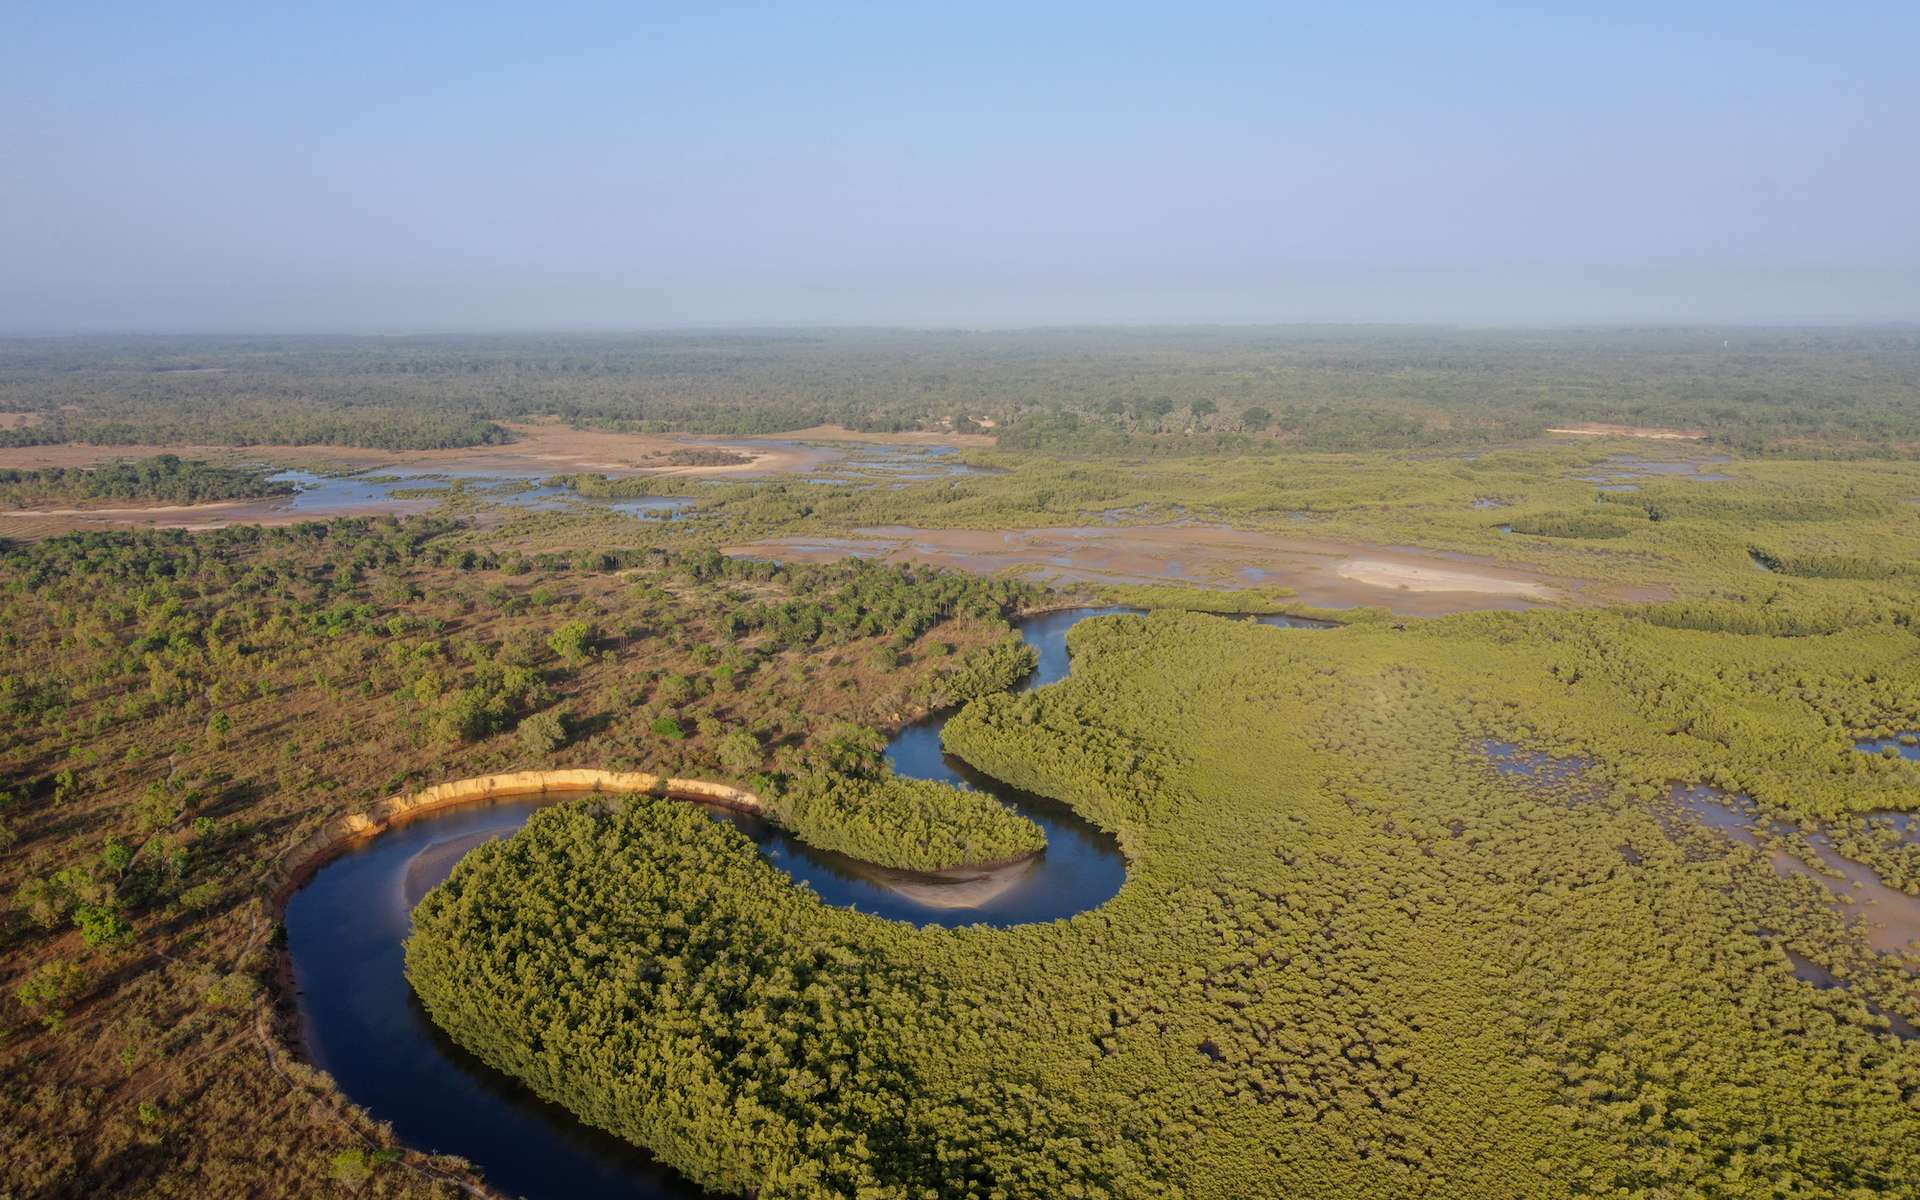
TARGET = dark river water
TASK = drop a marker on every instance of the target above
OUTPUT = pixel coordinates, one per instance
(346, 930)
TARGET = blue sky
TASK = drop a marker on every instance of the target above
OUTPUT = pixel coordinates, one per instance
(349, 166)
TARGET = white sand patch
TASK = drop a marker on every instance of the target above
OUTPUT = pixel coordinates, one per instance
(1377, 573)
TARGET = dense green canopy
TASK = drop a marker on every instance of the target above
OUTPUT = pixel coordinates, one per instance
(1357, 954)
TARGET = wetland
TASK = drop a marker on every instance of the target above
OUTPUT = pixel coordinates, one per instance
(1579, 856)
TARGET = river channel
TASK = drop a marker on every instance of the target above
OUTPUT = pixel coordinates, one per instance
(346, 929)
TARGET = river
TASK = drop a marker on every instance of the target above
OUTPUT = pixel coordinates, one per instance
(347, 927)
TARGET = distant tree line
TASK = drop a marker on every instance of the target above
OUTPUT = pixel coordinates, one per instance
(1803, 391)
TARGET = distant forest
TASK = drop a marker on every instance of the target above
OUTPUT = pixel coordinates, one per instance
(1820, 391)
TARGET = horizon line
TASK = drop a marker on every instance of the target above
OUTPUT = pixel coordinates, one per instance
(959, 326)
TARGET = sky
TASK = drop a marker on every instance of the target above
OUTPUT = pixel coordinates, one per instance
(290, 167)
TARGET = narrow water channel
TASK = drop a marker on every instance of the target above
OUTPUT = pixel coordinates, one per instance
(347, 927)
(1889, 918)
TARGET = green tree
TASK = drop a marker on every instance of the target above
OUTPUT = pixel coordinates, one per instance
(117, 856)
(102, 925)
(469, 715)
(849, 749)
(350, 1169)
(48, 989)
(669, 728)
(574, 642)
(739, 752)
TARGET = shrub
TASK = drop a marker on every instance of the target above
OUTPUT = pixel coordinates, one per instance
(48, 989)
(543, 732)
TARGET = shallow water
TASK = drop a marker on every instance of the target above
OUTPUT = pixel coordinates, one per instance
(1890, 918)
(1548, 770)
(1621, 474)
(1812, 972)
(324, 496)
(896, 466)
(1905, 824)
(1899, 743)
(1283, 621)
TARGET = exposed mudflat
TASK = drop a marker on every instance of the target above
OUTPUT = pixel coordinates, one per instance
(558, 449)
(537, 449)
(1327, 574)
(823, 454)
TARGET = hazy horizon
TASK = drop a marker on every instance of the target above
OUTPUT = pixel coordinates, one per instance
(229, 170)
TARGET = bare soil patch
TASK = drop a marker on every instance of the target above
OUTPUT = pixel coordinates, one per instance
(70, 454)
(1601, 429)
(195, 518)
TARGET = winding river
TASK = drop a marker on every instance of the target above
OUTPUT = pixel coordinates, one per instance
(346, 929)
